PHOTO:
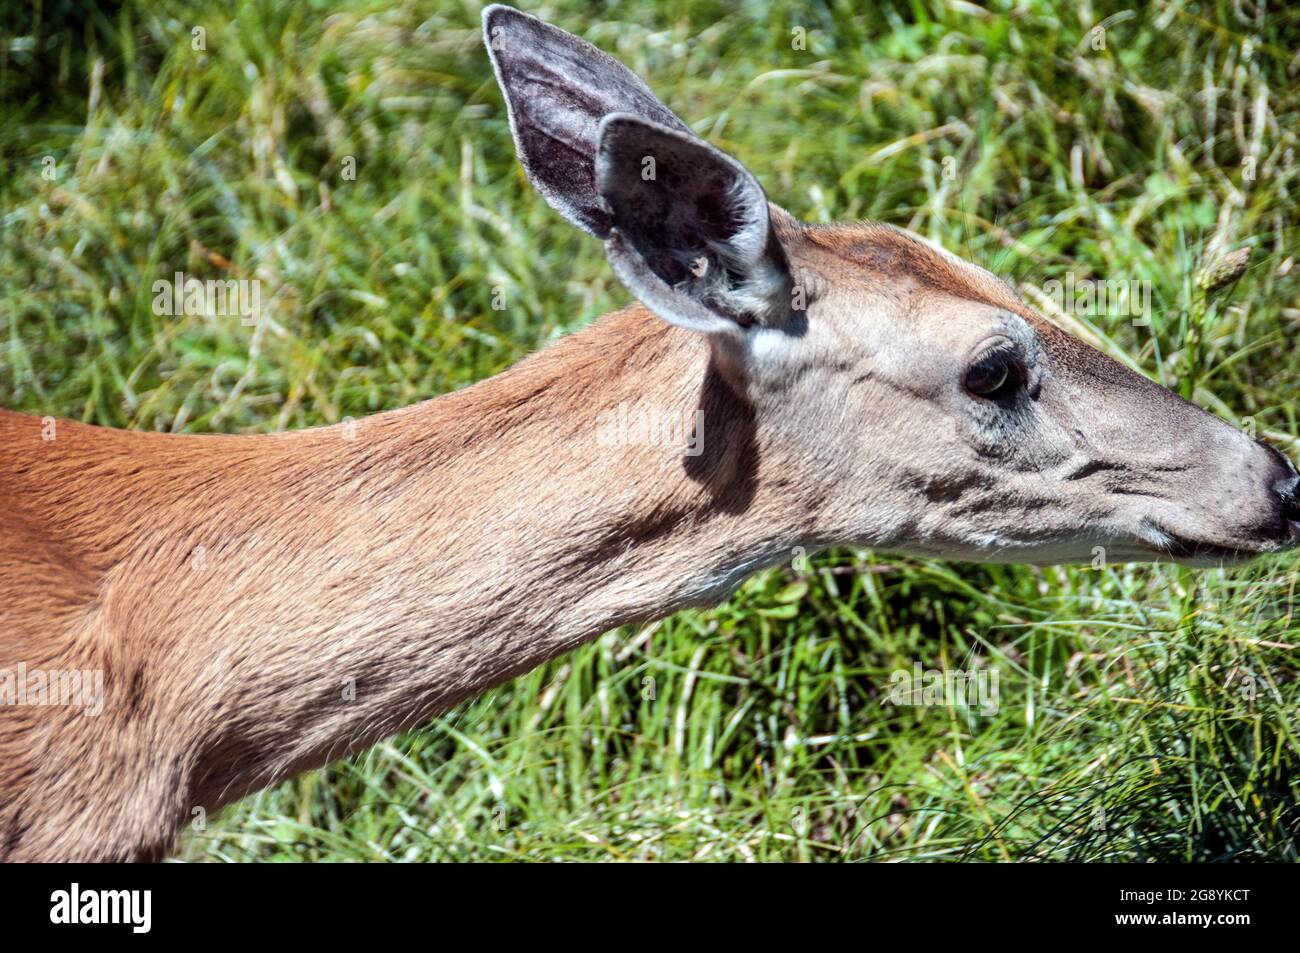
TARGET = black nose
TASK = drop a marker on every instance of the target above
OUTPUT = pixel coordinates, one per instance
(1291, 500)
(1288, 485)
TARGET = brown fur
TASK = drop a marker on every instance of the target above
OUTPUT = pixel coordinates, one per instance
(400, 558)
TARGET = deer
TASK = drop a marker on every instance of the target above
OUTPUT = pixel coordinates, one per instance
(260, 605)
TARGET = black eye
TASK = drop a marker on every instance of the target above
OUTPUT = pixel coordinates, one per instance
(995, 376)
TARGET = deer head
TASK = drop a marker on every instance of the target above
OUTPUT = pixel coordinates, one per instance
(925, 407)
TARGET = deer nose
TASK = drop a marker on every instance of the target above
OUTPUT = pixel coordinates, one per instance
(1287, 487)
(1291, 500)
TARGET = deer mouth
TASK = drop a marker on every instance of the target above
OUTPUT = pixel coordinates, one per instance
(1200, 552)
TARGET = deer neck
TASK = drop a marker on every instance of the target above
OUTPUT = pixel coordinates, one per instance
(612, 478)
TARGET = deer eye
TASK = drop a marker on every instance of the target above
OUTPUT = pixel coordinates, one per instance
(995, 376)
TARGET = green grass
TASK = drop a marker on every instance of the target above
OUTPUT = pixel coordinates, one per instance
(1146, 712)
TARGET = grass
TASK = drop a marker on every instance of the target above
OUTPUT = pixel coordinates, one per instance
(1147, 713)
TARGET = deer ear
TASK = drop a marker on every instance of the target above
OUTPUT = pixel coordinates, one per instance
(686, 227)
(691, 235)
(557, 89)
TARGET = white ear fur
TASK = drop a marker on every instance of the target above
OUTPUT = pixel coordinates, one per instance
(653, 292)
